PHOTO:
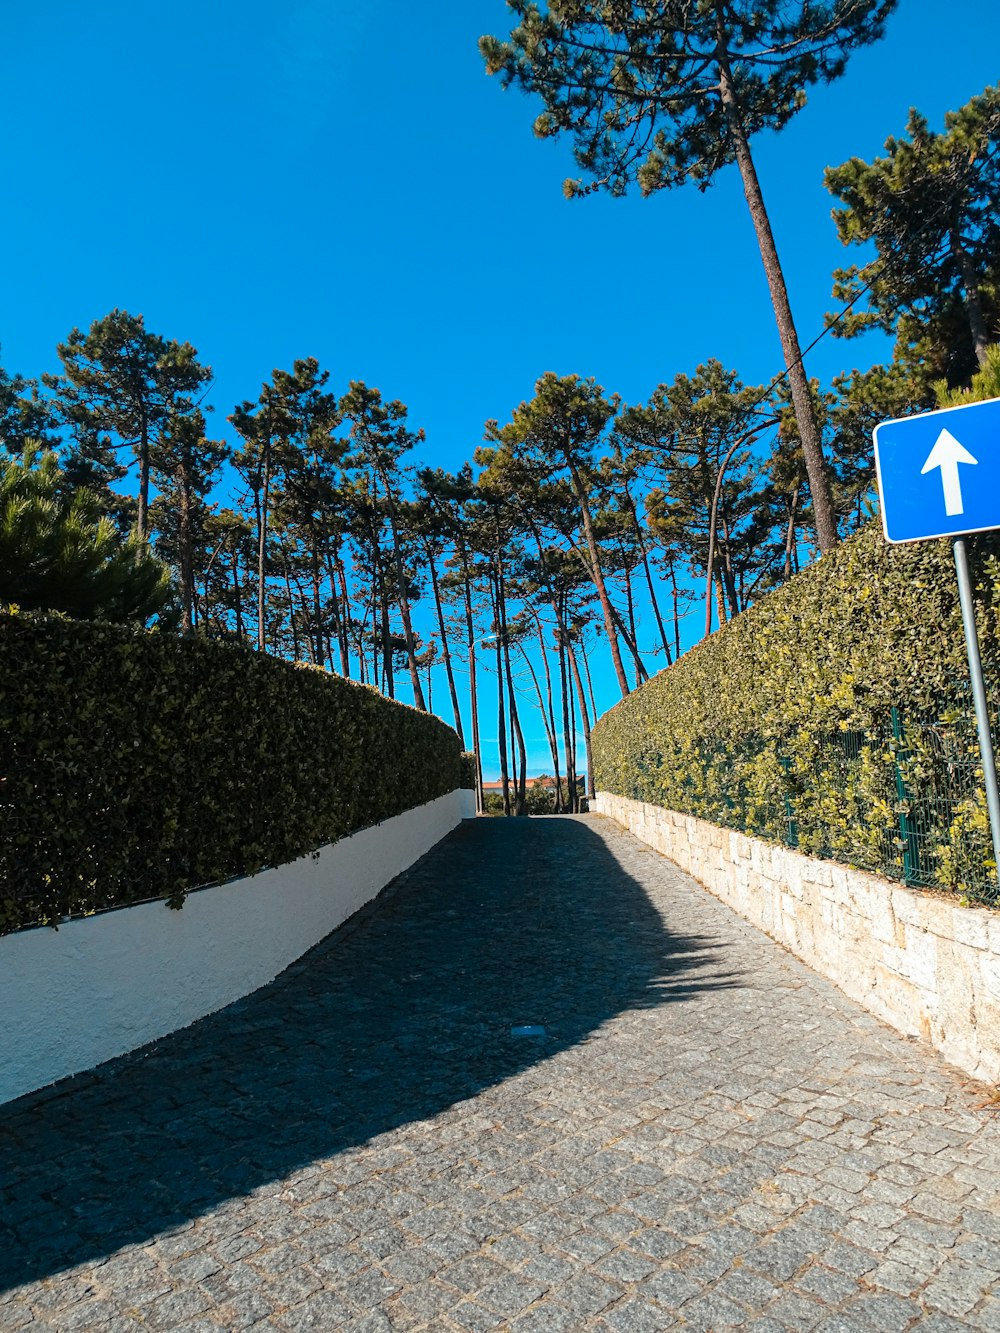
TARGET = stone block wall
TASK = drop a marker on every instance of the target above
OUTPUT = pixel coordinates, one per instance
(920, 961)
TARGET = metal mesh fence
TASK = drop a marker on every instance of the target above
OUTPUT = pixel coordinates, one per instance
(912, 803)
(904, 798)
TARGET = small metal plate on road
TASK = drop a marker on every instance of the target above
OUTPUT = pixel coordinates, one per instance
(939, 473)
(527, 1030)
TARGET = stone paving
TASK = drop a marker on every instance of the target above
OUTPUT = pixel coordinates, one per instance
(707, 1135)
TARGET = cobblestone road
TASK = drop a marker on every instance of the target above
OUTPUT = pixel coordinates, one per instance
(706, 1136)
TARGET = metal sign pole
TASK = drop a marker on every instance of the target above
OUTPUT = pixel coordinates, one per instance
(978, 694)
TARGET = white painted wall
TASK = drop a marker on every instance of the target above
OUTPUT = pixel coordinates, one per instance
(98, 987)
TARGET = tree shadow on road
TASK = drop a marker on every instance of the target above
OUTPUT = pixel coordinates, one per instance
(396, 1017)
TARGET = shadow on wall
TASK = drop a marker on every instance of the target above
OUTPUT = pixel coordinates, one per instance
(397, 1016)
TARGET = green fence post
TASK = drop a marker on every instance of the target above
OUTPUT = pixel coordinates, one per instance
(793, 828)
(907, 829)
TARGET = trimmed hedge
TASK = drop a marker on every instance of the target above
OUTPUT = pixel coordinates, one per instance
(136, 765)
(468, 770)
(782, 722)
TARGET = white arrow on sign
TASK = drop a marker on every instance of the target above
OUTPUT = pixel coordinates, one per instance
(947, 454)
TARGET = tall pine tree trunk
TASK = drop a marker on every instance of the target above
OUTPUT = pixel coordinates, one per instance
(675, 610)
(636, 528)
(518, 752)
(501, 711)
(517, 737)
(403, 602)
(569, 745)
(336, 627)
(470, 629)
(319, 650)
(555, 605)
(590, 684)
(640, 670)
(584, 717)
(727, 567)
(388, 676)
(444, 647)
(619, 625)
(551, 724)
(306, 616)
(142, 512)
(261, 503)
(238, 597)
(549, 734)
(345, 616)
(291, 604)
(793, 505)
(720, 597)
(597, 575)
(805, 418)
(972, 301)
(186, 554)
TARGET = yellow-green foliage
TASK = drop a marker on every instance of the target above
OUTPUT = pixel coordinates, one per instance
(780, 723)
(137, 765)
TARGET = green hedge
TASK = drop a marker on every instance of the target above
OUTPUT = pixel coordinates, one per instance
(833, 715)
(468, 770)
(136, 765)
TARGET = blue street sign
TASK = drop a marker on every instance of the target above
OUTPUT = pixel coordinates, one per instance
(939, 473)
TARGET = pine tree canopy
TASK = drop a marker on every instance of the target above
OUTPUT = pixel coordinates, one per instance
(24, 415)
(639, 86)
(670, 92)
(931, 206)
(122, 381)
(61, 553)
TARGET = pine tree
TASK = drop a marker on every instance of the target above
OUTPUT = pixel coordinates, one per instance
(381, 436)
(673, 91)
(122, 383)
(617, 478)
(24, 414)
(59, 552)
(554, 433)
(932, 208)
(859, 401)
(984, 386)
(186, 465)
(433, 524)
(228, 588)
(307, 501)
(260, 427)
(689, 431)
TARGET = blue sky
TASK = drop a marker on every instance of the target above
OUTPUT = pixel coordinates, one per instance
(342, 180)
